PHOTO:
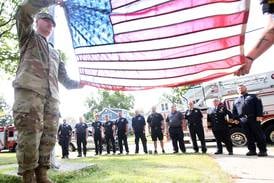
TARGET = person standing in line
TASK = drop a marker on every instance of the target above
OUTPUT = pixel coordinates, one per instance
(156, 127)
(122, 131)
(64, 136)
(217, 117)
(36, 93)
(109, 128)
(194, 119)
(138, 125)
(248, 110)
(81, 132)
(264, 42)
(97, 130)
(175, 127)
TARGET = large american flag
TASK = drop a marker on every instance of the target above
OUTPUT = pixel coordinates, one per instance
(144, 44)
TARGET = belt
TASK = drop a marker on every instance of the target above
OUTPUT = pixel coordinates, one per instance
(247, 116)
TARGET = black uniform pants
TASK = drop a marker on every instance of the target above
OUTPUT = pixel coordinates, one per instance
(65, 146)
(197, 129)
(81, 141)
(122, 137)
(142, 136)
(98, 144)
(254, 134)
(177, 135)
(223, 135)
(110, 138)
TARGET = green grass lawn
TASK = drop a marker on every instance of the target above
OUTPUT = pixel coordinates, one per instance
(7, 158)
(141, 169)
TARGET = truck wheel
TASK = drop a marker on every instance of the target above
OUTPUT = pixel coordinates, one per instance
(238, 137)
(72, 147)
(269, 132)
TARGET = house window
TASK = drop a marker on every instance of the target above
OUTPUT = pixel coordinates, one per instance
(166, 106)
(163, 107)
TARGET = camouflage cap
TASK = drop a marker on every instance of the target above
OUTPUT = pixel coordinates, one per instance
(46, 16)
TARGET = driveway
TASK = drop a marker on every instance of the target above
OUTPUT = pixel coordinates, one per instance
(248, 169)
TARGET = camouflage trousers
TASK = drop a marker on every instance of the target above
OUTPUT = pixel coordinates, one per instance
(36, 120)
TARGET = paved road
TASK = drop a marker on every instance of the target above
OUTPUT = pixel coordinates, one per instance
(246, 169)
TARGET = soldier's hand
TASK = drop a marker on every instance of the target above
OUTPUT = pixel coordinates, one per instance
(81, 84)
(245, 68)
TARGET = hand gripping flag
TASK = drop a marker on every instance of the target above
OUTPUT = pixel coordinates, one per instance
(144, 44)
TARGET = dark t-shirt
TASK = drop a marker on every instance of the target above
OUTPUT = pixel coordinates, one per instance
(81, 129)
(64, 131)
(108, 128)
(193, 116)
(97, 127)
(121, 124)
(138, 123)
(175, 119)
(155, 120)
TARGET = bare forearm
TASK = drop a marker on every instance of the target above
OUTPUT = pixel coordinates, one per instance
(264, 43)
(266, 40)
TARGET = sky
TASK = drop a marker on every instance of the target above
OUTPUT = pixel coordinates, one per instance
(72, 101)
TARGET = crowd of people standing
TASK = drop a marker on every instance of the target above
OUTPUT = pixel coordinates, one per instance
(247, 111)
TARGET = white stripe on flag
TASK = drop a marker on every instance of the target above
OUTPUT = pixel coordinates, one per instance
(156, 82)
(139, 5)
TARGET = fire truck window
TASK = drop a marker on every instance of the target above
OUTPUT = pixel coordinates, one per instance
(11, 134)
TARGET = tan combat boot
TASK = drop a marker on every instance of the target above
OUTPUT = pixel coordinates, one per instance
(41, 175)
(28, 177)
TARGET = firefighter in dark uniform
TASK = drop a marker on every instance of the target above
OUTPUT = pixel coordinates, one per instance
(122, 131)
(194, 118)
(156, 127)
(249, 111)
(64, 137)
(217, 117)
(138, 125)
(109, 128)
(97, 128)
(81, 137)
(175, 125)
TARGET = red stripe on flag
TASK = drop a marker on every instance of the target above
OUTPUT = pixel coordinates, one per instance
(163, 73)
(183, 28)
(171, 85)
(165, 8)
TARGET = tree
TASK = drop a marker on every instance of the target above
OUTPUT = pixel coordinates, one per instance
(177, 95)
(9, 54)
(108, 99)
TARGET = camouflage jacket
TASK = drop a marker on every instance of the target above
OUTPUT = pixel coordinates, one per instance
(40, 67)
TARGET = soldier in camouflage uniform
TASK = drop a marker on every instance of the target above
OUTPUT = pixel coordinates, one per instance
(36, 106)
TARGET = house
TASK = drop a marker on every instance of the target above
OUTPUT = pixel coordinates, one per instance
(113, 115)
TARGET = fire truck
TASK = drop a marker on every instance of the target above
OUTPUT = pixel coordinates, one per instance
(8, 137)
(260, 84)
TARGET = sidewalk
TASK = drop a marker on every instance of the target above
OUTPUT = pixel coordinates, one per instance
(248, 169)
